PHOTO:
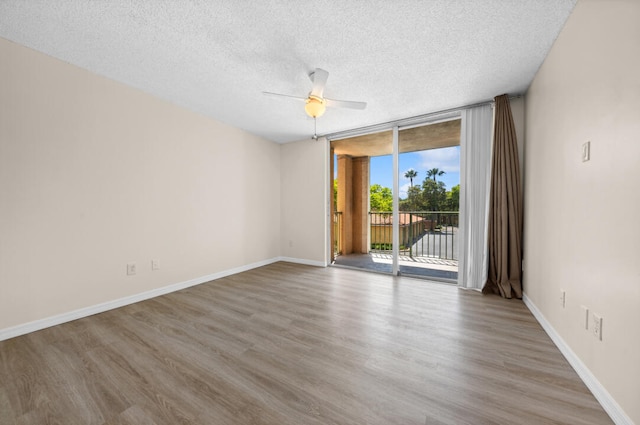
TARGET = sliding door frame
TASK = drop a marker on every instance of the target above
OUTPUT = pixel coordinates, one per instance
(396, 127)
(395, 228)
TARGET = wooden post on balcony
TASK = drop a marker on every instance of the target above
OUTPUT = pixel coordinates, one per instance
(353, 201)
(360, 204)
(345, 168)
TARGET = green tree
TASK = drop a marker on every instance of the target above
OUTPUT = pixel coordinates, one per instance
(414, 201)
(335, 194)
(453, 198)
(410, 174)
(434, 172)
(434, 194)
(380, 198)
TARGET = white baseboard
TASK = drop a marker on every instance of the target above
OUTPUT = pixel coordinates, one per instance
(600, 393)
(37, 325)
(302, 261)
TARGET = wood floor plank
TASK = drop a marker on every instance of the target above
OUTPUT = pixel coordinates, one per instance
(293, 344)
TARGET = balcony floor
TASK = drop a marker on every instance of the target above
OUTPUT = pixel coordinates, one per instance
(425, 267)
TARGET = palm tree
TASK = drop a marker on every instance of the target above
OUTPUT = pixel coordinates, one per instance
(410, 174)
(434, 172)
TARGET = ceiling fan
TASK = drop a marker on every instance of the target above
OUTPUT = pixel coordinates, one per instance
(315, 103)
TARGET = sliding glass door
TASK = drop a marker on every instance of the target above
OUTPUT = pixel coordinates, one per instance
(394, 205)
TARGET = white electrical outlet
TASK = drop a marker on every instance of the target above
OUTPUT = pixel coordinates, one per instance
(585, 317)
(563, 298)
(597, 326)
(131, 269)
(155, 264)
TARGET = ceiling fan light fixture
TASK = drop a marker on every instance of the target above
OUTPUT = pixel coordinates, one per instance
(314, 106)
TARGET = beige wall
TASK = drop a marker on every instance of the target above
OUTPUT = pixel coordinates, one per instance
(94, 174)
(304, 185)
(582, 232)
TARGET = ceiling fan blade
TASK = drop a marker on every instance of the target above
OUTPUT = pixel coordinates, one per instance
(319, 78)
(345, 104)
(267, 93)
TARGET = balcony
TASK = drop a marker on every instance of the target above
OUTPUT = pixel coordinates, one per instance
(428, 244)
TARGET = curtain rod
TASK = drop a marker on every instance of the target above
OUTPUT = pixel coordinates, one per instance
(375, 128)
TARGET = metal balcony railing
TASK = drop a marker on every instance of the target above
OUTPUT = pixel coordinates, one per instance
(422, 233)
(337, 233)
(431, 234)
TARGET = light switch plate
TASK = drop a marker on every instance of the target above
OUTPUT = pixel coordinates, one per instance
(585, 317)
(586, 151)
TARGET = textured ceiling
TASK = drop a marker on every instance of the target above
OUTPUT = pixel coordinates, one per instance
(404, 58)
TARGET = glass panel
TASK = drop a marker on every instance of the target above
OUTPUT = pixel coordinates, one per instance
(363, 201)
(429, 175)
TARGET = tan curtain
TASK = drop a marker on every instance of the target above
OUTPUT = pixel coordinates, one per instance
(505, 209)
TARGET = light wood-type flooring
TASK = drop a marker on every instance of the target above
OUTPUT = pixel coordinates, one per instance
(292, 344)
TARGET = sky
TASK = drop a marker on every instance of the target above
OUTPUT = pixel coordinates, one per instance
(445, 159)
